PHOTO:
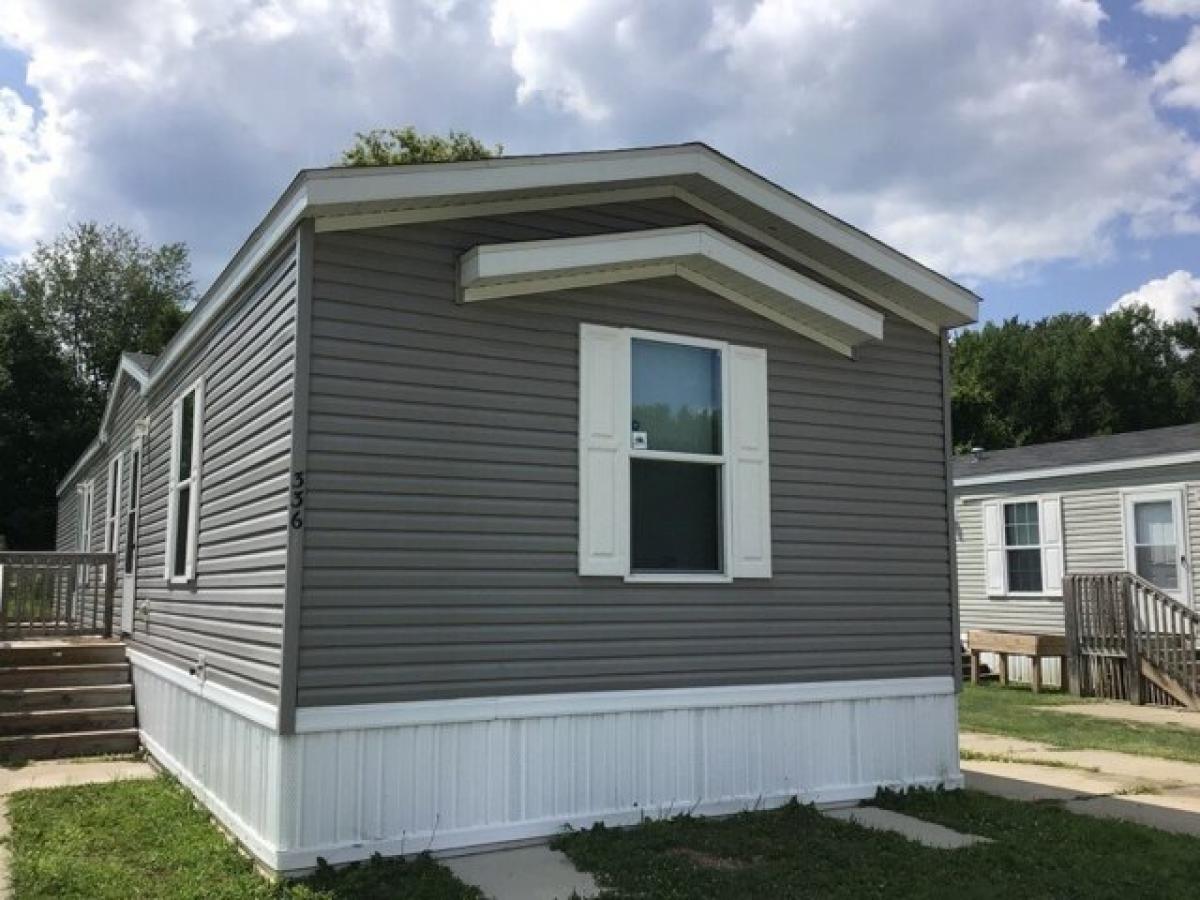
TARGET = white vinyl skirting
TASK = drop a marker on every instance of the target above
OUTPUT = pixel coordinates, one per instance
(1020, 668)
(404, 778)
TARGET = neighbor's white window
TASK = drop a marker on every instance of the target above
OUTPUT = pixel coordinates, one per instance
(112, 506)
(86, 492)
(183, 500)
(674, 480)
(1024, 546)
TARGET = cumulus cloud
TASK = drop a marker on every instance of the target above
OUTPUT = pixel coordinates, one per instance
(984, 138)
(1178, 79)
(1170, 9)
(1174, 297)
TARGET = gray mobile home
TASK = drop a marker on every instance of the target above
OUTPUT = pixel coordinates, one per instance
(478, 499)
(1028, 516)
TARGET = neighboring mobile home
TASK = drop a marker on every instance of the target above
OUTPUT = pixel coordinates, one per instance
(1025, 517)
(477, 499)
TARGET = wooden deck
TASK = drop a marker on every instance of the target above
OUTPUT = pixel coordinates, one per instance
(1015, 643)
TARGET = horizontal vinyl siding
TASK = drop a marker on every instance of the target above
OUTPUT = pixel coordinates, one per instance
(1093, 540)
(233, 612)
(441, 516)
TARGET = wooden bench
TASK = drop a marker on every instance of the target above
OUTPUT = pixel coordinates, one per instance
(1010, 643)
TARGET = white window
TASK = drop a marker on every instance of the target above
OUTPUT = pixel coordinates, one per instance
(183, 499)
(1156, 538)
(85, 517)
(674, 480)
(112, 506)
(1023, 544)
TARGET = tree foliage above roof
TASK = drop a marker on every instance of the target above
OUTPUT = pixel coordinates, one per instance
(1072, 376)
(67, 312)
(406, 146)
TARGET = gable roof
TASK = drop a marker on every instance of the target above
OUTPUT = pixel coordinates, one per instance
(133, 367)
(747, 204)
(1106, 453)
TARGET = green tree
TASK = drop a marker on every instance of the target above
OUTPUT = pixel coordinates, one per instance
(1072, 376)
(67, 312)
(404, 146)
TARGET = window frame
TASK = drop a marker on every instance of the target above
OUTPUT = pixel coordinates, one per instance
(724, 460)
(1040, 546)
(112, 504)
(175, 484)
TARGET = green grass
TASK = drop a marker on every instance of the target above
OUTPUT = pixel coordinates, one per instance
(1039, 851)
(1016, 712)
(147, 839)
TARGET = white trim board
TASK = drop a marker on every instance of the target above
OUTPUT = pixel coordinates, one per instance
(698, 252)
(126, 368)
(250, 708)
(1117, 465)
(312, 719)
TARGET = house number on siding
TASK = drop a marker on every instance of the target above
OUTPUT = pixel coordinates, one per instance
(297, 499)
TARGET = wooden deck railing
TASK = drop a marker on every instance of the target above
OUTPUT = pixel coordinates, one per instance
(56, 594)
(1128, 640)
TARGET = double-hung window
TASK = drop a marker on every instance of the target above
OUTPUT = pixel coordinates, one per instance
(112, 506)
(674, 481)
(183, 501)
(1023, 546)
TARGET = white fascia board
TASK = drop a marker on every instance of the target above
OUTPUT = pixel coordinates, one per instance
(488, 268)
(571, 170)
(1116, 465)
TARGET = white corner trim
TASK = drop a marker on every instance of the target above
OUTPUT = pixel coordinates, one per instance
(496, 270)
(312, 719)
(251, 708)
(1118, 465)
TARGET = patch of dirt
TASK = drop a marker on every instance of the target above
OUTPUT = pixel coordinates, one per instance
(707, 860)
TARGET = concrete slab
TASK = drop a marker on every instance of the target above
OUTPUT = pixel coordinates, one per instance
(999, 744)
(929, 834)
(61, 773)
(523, 873)
(1127, 712)
(1029, 781)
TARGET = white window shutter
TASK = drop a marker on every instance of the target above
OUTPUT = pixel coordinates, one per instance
(603, 451)
(993, 546)
(1050, 520)
(750, 505)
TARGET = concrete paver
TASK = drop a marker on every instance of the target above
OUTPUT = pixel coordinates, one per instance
(523, 873)
(928, 833)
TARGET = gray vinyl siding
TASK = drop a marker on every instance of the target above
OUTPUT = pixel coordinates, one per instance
(66, 522)
(233, 611)
(1093, 540)
(441, 513)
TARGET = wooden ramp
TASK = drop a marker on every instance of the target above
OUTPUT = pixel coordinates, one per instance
(1128, 640)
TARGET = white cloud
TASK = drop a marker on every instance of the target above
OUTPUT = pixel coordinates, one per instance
(1170, 9)
(1178, 79)
(984, 138)
(1173, 297)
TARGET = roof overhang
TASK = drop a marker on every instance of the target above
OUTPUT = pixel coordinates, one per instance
(737, 200)
(697, 253)
(1064, 471)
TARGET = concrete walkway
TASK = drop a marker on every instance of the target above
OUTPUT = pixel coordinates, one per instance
(58, 773)
(523, 873)
(1161, 793)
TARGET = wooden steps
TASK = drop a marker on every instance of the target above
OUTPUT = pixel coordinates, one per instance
(65, 698)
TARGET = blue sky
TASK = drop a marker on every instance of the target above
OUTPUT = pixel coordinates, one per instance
(1045, 152)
